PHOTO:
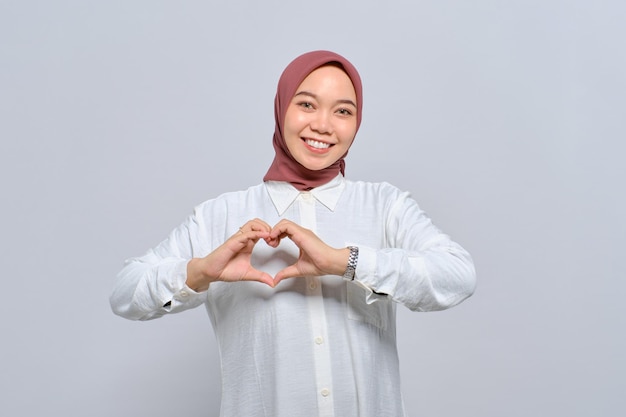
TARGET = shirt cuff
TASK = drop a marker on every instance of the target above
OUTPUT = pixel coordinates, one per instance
(181, 294)
(365, 274)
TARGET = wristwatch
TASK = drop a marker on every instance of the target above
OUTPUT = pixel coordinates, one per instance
(352, 260)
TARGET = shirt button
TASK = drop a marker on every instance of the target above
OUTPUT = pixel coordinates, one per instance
(312, 285)
(183, 293)
(325, 392)
(319, 340)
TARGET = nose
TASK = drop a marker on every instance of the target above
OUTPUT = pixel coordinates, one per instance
(322, 122)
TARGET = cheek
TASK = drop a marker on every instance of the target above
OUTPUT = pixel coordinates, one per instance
(294, 121)
(348, 132)
(291, 132)
(291, 129)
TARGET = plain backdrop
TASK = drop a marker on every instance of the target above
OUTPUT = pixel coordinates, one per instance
(504, 119)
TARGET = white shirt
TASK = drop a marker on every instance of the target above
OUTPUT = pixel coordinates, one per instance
(313, 346)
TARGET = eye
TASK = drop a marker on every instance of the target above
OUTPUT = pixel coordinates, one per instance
(344, 112)
(306, 105)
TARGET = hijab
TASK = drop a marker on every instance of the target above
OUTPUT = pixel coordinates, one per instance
(285, 167)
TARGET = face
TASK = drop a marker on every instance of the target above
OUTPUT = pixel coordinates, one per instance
(321, 119)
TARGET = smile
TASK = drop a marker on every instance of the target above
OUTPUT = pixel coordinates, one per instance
(316, 144)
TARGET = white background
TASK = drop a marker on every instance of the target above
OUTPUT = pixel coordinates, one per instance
(504, 119)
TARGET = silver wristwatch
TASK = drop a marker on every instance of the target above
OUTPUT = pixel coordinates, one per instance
(352, 260)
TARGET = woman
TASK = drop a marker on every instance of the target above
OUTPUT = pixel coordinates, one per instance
(323, 342)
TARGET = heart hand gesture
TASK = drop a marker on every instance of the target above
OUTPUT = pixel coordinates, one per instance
(231, 261)
(316, 257)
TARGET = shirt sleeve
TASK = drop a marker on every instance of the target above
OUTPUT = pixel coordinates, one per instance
(421, 267)
(154, 284)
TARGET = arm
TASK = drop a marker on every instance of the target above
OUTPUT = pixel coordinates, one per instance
(421, 268)
(168, 279)
(154, 284)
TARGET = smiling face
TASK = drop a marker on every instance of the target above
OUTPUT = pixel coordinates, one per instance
(321, 120)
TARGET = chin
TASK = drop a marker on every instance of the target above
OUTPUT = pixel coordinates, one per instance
(315, 167)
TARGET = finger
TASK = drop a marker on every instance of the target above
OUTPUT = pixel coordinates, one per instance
(255, 224)
(262, 223)
(284, 228)
(241, 239)
(259, 276)
(272, 242)
(290, 271)
(279, 232)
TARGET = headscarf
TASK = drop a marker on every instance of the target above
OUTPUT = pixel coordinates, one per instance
(285, 167)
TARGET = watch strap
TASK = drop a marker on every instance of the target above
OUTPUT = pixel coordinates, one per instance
(352, 261)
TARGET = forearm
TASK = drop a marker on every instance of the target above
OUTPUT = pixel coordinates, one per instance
(422, 281)
(419, 266)
(154, 284)
(147, 291)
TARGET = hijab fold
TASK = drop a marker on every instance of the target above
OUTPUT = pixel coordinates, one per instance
(285, 167)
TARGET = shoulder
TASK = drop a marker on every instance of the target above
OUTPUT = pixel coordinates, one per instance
(227, 199)
(378, 189)
(378, 197)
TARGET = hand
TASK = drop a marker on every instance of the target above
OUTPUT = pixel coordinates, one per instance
(231, 261)
(316, 257)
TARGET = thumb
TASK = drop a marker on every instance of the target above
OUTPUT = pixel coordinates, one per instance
(260, 276)
(288, 272)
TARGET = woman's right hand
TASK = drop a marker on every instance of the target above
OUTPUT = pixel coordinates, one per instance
(231, 261)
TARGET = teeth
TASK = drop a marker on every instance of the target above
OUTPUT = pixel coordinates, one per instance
(316, 144)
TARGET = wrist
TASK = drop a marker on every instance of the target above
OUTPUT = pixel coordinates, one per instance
(197, 280)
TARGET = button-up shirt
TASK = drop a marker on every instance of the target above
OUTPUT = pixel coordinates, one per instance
(316, 345)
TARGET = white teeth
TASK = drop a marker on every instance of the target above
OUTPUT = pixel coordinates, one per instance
(316, 144)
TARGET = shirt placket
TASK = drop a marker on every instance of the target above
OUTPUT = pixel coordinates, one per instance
(317, 318)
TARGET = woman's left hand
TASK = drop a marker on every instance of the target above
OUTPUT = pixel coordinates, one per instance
(316, 257)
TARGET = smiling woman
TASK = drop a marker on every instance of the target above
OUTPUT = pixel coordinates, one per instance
(320, 122)
(301, 274)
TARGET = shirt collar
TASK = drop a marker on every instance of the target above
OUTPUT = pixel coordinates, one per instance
(283, 194)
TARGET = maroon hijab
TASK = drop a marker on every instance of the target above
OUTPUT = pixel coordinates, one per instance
(285, 167)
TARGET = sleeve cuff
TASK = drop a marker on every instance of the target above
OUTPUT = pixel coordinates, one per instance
(365, 275)
(181, 294)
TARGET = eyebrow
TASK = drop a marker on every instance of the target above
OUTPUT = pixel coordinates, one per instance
(342, 101)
